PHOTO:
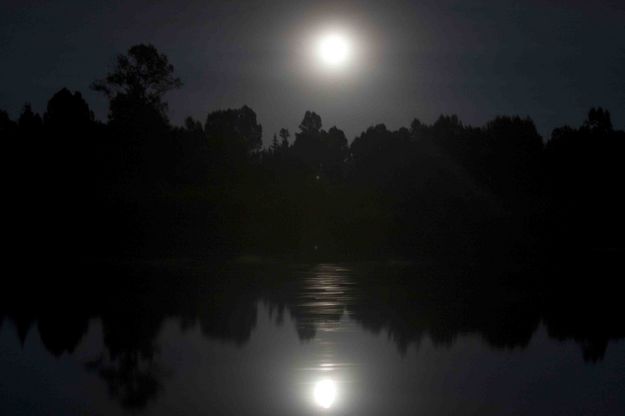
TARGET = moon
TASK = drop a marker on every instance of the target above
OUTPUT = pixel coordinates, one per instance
(325, 393)
(334, 50)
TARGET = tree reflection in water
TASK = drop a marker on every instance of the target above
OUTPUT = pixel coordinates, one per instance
(440, 300)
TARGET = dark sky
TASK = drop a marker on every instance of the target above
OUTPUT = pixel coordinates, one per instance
(551, 60)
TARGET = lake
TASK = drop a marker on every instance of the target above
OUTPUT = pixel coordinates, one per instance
(260, 337)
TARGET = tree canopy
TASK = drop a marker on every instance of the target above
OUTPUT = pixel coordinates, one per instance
(143, 74)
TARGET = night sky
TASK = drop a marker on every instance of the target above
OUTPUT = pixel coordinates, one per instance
(551, 60)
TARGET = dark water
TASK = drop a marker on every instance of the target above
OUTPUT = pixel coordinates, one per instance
(261, 338)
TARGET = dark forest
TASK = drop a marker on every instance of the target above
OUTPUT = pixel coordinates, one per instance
(139, 186)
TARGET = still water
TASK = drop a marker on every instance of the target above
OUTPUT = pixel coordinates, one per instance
(261, 338)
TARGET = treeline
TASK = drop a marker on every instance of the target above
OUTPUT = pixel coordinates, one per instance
(138, 185)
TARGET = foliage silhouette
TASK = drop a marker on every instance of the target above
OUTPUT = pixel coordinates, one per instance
(160, 189)
(143, 75)
(493, 215)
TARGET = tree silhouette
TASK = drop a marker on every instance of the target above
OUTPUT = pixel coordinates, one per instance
(514, 150)
(284, 135)
(143, 75)
(234, 129)
(29, 123)
(582, 175)
(322, 152)
(67, 113)
(8, 128)
(440, 186)
(598, 121)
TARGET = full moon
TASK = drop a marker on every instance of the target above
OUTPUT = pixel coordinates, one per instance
(334, 50)
(325, 393)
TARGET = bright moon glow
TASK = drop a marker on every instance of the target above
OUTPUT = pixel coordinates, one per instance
(325, 393)
(334, 50)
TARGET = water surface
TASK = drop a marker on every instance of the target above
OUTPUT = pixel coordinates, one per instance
(182, 337)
